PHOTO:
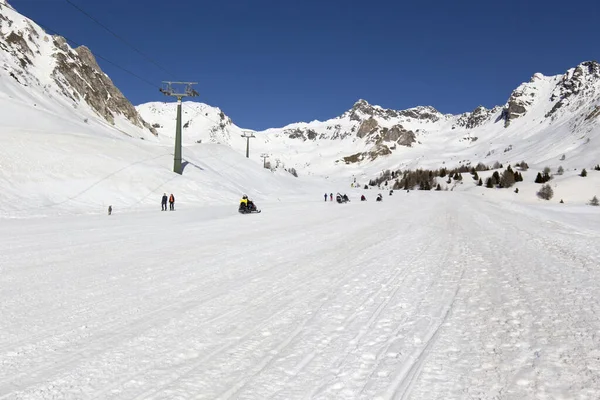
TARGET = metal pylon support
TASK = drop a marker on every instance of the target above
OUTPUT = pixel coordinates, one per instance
(264, 156)
(188, 91)
(248, 137)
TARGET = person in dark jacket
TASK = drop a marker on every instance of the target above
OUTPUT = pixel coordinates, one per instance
(164, 202)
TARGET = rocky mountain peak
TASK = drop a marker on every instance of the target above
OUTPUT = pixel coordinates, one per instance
(476, 117)
(520, 100)
(580, 78)
(421, 113)
(362, 111)
(74, 73)
(80, 77)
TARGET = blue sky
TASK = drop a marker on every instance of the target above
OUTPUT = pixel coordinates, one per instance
(268, 63)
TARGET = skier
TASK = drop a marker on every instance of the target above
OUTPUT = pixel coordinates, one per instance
(331, 196)
(363, 198)
(172, 202)
(325, 196)
(164, 202)
(109, 210)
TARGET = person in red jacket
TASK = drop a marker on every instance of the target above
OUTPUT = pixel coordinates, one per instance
(172, 202)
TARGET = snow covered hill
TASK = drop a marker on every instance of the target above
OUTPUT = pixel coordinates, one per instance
(544, 118)
(70, 141)
(428, 295)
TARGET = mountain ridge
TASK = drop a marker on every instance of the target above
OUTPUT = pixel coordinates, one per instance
(44, 72)
(371, 137)
(48, 65)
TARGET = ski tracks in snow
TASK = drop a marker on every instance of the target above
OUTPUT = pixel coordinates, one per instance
(420, 297)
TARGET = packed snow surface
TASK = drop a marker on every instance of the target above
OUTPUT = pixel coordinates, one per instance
(426, 295)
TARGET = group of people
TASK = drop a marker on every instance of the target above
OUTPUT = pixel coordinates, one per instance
(379, 197)
(171, 200)
(342, 198)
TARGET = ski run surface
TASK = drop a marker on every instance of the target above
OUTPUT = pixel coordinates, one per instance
(427, 295)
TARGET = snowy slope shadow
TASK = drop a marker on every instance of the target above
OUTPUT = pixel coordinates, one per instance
(184, 164)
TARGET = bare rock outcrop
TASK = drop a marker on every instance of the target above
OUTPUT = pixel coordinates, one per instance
(80, 77)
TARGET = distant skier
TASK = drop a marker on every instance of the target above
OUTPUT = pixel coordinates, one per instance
(331, 196)
(172, 202)
(325, 196)
(109, 210)
(164, 202)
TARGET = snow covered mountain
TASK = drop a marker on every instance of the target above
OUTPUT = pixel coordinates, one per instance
(43, 71)
(543, 118)
(70, 141)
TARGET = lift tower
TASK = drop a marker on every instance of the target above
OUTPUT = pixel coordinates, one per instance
(168, 90)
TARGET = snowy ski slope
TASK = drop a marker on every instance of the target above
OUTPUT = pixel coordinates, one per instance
(470, 293)
(438, 295)
(52, 162)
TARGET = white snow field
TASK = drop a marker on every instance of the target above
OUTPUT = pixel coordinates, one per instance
(427, 295)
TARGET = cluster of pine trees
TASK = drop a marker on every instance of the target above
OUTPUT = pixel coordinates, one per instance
(505, 180)
(543, 177)
(424, 179)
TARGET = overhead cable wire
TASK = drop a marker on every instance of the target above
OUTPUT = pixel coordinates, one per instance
(118, 37)
(148, 58)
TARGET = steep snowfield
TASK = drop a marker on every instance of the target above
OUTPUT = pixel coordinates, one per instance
(32, 80)
(424, 296)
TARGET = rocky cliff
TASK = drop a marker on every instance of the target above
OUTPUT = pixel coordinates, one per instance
(37, 59)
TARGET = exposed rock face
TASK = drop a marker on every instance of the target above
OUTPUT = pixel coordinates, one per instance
(363, 110)
(515, 107)
(580, 80)
(421, 113)
(367, 127)
(16, 45)
(593, 114)
(379, 150)
(477, 117)
(398, 134)
(79, 76)
(76, 74)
